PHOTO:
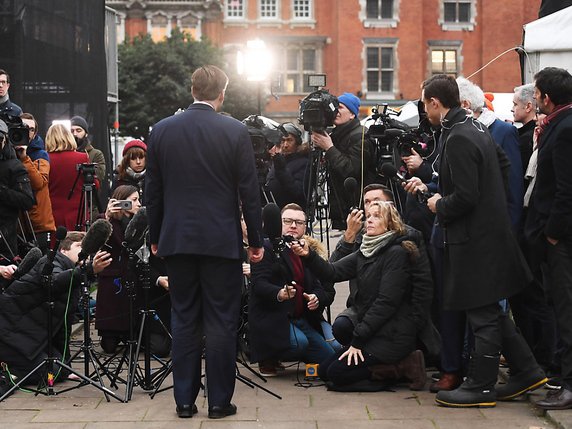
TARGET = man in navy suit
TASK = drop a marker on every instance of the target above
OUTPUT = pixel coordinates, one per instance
(200, 171)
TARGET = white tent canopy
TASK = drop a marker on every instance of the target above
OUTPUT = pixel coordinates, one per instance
(548, 43)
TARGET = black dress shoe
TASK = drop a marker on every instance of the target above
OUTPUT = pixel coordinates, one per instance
(556, 400)
(218, 412)
(186, 411)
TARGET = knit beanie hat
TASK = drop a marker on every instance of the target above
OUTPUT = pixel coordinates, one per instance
(78, 121)
(351, 102)
(134, 143)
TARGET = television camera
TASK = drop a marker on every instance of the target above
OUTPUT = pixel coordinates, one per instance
(318, 110)
(264, 134)
(395, 139)
(17, 130)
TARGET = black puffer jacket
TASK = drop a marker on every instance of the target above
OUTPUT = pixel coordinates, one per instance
(15, 195)
(24, 312)
(345, 160)
(385, 318)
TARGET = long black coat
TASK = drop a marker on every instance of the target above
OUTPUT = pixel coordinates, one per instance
(386, 322)
(483, 263)
(24, 312)
(268, 319)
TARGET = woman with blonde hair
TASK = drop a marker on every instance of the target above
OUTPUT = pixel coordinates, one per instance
(66, 181)
(381, 329)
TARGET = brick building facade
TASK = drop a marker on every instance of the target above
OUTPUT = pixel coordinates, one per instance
(380, 50)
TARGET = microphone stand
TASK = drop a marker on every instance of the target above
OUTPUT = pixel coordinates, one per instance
(87, 349)
(46, 387)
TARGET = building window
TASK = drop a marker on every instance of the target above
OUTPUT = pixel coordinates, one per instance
(297, 63)
(160, 28)
(302, 9)
(458, 15)
(268, 9)
(379, 9)
(444, 61)
(457, 11)
(235, 9)
(380, 69)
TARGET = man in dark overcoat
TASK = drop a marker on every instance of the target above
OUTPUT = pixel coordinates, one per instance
(200, 170)
(549, 222)
(482, 263)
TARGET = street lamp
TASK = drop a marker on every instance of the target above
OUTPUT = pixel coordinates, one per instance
(256, 64)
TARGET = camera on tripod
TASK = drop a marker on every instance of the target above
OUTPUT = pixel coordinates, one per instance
(88, 172)
(318, 110)
(17, 130)
(393, 136)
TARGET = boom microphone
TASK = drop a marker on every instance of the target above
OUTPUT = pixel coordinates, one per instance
(33, 256)
(136, 229)
(351, 187)
(388, 170)
(96, 237)
(272, 222)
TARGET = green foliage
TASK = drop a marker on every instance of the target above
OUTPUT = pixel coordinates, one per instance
(155, 81)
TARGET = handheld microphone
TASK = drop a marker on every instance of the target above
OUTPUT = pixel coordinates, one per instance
(388, 170)
(61, 233)
(33, 256)
(352, 189)
(95, 238)
(136, 230)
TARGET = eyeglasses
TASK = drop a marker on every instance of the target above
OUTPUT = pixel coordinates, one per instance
(3, 82)
(298, 222)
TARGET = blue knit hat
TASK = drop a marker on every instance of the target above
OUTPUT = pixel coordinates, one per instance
(350, 101)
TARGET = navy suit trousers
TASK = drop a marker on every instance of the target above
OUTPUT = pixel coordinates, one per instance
(205, 302)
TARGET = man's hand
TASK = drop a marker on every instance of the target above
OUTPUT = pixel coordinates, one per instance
(154, 248)
(313, 301)
(246, 269)
(355, 224)
(413, 161)
(432, 202)
(101, 260)
(354, 356)
(255, 254)
(414, 185)
(21, 152)
(163, 281)
(300, 248)
(323, 141)
(7, 271)
(287, 292)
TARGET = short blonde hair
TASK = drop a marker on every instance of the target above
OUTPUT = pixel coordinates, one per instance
(207, 82)
(59, 139)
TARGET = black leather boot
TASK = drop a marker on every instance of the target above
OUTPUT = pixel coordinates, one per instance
(478, 390)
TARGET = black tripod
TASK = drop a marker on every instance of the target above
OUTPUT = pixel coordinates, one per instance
(46, 369)
(144, 378)
(84, 212)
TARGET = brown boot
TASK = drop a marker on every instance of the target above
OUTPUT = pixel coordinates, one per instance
(413, 369)
(447, 381)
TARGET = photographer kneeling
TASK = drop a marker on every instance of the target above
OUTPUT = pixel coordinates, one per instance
(23, 309)
(383, 330)
(286, 304)
(287, 175)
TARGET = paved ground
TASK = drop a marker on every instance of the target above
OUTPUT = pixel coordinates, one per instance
(301, 408)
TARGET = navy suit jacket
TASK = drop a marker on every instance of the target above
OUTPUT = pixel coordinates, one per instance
(199, 165)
